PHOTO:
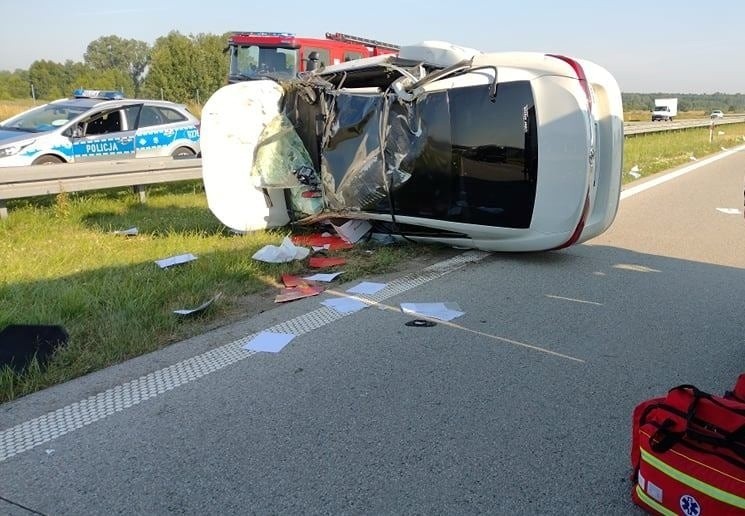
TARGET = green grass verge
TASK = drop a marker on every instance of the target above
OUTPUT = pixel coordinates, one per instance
(61, 264)
(654, 152)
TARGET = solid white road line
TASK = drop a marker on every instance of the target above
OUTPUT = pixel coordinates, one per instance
(680, 172)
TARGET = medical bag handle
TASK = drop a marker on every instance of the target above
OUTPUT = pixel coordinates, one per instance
(734, 441)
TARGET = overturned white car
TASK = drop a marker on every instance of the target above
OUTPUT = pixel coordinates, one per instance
(501, 151)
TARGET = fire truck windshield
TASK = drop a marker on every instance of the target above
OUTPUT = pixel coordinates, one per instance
(252, 61)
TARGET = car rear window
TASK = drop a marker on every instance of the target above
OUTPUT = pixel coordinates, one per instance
(478, 160)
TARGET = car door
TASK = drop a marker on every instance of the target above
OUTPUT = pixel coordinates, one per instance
(104, 135)
(158, 129)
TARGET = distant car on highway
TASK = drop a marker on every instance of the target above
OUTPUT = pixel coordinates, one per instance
(97, 125)
(717, 114)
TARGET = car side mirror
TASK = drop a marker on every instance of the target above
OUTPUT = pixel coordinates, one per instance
(77, 132)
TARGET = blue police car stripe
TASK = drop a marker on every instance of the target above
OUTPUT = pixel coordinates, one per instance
(104, 147)
(163, 138)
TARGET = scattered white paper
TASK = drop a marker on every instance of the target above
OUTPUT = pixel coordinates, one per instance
(269, 342)
(324, 247)
(720, 133)
(353, 230)
(344, 305)
(635, 168)
(200, 308)
(331, 276)
(635, 175)
(133, 231)
(729, 211)
(692, 158)
(286, 252)
(367, 287)
(175, 260)
(440, 311)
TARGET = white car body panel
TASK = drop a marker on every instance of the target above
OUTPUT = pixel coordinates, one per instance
(232, 194)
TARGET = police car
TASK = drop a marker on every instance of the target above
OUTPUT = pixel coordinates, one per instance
(96, 125)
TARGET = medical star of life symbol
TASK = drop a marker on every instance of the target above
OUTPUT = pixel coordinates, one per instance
(689, 506)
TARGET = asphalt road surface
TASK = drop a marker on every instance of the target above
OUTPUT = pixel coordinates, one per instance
(521, 406)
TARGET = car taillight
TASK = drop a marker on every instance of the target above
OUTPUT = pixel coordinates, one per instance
(580, 76)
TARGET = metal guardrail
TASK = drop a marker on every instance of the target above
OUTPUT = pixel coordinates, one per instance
(34, 180)
(630, 128)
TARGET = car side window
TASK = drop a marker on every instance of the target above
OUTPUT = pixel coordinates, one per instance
(103, 123)
(324, 58)
(150, 116)
(171, 115)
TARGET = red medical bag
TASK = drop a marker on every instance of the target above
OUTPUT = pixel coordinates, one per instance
(688, 454)
(738, 393)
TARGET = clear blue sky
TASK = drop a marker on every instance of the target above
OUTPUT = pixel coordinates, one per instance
(649, 46)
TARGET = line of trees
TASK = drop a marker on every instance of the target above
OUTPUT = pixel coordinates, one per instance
(176, 67)
(189, 68)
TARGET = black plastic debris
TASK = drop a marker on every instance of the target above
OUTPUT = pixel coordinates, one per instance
(19, 343)
(421, 323)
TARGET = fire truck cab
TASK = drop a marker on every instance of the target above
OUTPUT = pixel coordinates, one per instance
(283, 55)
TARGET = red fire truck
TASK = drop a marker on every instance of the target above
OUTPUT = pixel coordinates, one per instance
(279, 54)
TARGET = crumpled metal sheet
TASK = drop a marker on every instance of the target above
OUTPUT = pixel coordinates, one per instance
(358, 171)
(351, 163)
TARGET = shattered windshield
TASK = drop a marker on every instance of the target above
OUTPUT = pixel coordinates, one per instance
(44, 118)
(252, 61)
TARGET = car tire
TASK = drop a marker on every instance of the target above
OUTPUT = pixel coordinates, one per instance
(47, 159)
(183, 153)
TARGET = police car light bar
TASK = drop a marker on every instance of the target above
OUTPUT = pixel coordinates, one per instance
(81, 93)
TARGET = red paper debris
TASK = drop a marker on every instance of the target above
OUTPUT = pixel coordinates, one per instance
(293, 281)
(335, 242)
(299, 292)
(320, 262)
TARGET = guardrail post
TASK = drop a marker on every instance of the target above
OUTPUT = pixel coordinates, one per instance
(3, 210)
(140, 190)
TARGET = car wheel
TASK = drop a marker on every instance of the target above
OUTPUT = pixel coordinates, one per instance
(182, 153)
(47, 160)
